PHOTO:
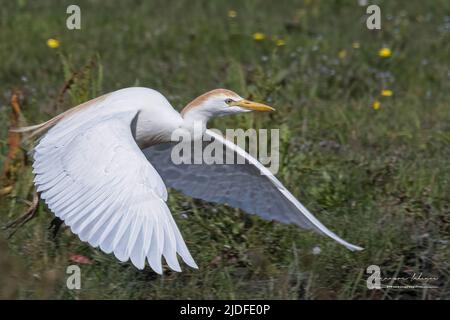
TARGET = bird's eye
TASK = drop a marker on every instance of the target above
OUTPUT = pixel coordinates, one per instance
(229, 101)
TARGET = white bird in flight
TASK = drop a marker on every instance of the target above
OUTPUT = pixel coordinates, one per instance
(103, 167)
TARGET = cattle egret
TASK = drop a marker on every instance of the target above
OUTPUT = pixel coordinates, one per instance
(103, 167)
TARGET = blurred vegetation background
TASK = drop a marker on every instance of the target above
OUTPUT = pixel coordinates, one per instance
(365, 136)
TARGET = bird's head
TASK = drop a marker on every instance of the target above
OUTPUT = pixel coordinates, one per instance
(220, 102)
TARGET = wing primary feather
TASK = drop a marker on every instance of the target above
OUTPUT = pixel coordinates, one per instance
(153, 254)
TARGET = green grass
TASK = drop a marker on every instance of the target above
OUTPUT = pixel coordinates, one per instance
(379, 178)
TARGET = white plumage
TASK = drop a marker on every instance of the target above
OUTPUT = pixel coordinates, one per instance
(99, 169)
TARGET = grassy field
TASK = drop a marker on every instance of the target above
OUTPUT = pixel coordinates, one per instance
(372, 165)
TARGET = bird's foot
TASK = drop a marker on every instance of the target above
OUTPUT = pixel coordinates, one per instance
(27, 216)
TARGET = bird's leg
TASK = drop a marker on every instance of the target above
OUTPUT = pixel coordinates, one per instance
(55, 225)
(27, 216)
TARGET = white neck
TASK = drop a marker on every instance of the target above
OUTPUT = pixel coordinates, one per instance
(195, 126)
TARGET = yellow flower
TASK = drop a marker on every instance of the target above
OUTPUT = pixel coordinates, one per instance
(280, 42)
(387, 93)
(342, 54)
(355, 45)
(376, 105)
(385, 52)
(52, 43)
(232, 14)
(259, 36)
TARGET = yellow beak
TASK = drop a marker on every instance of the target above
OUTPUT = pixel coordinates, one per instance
(250, 105)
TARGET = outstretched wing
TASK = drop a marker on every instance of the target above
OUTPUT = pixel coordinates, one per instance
(250, 186)
(96, 179)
